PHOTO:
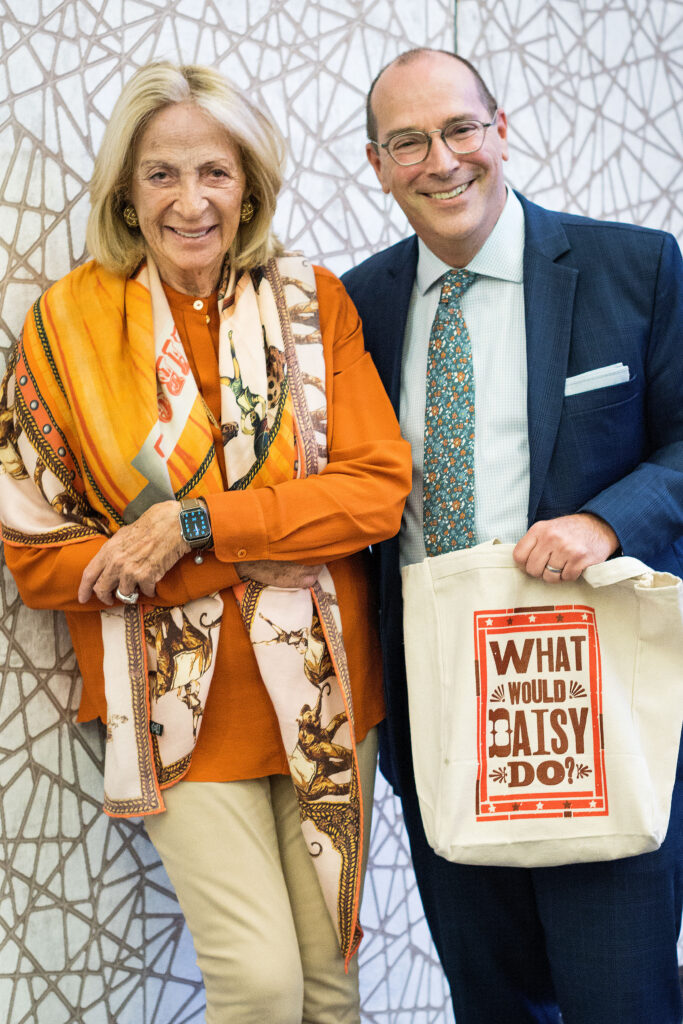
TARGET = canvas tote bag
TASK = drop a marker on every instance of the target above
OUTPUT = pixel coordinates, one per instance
(545, 719)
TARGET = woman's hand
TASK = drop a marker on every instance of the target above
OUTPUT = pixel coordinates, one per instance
(137, 556)
(285, 575)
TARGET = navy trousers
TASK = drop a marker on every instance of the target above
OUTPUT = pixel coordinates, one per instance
(594, 942)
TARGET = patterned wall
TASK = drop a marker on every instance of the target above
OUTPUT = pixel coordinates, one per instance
(89, 928)
(592, 90)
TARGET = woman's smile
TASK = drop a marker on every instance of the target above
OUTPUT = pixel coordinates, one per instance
(192, 234)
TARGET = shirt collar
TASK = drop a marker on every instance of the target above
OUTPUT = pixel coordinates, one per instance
(501, 255)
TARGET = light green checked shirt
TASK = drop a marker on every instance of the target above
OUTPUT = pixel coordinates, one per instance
(493, 308)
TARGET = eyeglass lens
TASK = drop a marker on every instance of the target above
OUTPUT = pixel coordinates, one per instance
(460, 137)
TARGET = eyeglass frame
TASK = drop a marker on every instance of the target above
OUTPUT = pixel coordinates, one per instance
(437, 131)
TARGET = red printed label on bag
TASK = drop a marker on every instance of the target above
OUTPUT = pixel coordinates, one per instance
(539, 713)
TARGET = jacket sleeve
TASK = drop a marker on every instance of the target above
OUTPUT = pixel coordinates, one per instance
(645, 507)
(49, 577)
(356, 501)
(358, 498)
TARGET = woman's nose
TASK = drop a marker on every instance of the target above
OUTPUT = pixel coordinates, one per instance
(191, 200)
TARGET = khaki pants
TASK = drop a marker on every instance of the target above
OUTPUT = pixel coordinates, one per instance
(246, 884)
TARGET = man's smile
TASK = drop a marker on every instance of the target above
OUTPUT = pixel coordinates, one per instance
(457, 191)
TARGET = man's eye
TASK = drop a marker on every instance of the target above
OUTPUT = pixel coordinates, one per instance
(407, 142)
(460, 131)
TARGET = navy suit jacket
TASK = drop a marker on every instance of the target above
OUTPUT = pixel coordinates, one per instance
(595, 293)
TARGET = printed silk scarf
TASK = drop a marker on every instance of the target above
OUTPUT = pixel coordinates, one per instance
(101, 368)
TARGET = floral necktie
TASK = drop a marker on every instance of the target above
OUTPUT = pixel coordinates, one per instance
(448, 498)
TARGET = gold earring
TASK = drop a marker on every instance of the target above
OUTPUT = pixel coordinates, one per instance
(247, 211)
(130, 216)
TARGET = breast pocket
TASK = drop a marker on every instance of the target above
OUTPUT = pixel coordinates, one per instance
(601, 398)
(601, 438)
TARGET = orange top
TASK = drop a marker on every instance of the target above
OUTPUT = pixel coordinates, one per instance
(356, 501)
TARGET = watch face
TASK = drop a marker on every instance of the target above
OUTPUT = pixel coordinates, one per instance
(195, 525)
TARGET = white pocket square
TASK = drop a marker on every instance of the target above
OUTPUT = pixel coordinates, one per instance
(602, 377)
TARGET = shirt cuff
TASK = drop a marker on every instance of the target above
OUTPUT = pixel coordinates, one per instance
(239, 533)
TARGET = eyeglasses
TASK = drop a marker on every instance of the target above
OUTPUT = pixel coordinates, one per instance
(461, 137)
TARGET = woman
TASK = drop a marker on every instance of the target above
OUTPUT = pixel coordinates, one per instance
(192, 430)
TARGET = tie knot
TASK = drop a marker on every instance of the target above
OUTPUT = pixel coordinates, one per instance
(455, 284)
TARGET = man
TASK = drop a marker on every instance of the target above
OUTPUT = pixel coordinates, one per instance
(569, 477)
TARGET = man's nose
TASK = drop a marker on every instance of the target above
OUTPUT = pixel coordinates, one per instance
(441, 159)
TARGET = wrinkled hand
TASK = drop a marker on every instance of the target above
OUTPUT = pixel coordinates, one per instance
(136, 556)
(286, 575)
(569, 543)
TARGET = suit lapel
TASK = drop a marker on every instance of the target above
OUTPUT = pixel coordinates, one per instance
(549, 290)
(394, 313)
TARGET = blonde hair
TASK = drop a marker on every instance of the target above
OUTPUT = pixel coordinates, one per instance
(151, 89)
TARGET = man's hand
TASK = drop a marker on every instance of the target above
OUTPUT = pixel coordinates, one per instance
(137, 556)
(567, 545)
(286, 575)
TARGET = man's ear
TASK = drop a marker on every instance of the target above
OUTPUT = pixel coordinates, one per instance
(502, 132)
(376, 164)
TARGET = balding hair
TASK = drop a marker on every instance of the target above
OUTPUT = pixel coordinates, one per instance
(486, 95)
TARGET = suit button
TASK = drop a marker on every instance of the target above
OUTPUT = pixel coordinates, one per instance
(242, 553)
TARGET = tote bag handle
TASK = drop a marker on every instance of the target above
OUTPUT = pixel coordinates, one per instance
(618, 570)
(604, 574)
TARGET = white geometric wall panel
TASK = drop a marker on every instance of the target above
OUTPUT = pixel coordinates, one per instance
(90, 930)
(593, 91)
(89, 927)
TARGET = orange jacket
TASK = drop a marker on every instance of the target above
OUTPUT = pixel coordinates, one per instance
(356, 501)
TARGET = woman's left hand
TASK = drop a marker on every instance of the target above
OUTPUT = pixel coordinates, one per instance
(286, 575)
(137, 556)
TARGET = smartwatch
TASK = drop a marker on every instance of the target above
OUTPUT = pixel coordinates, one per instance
(195, 525)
